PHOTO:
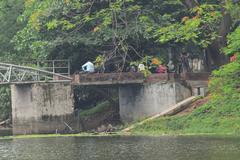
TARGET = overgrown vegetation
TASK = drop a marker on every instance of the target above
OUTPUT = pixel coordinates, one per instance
(101, 107)
(5, 103)
(125, 31)
(219, 116)
(129, 29)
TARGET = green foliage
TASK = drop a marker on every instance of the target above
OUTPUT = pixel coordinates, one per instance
(82, 30)
(5, 103)
(226, 81)
(99, 108)
(233, 9)
(99, 61)
(150, 63)
(118, 27)
(233, 43)
(9, 12)
(200, 27)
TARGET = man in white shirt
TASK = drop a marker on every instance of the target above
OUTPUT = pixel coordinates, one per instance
(88, 67)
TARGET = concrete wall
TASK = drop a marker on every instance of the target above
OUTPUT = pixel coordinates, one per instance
(182, 91)
(41, 108)
(139, 101)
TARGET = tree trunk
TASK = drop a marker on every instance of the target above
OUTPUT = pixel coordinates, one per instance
(214, 56)
(214, 50)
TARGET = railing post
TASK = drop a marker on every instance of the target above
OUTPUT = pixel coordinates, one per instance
(10, 73)
(69, 72)
(38, 65)
(38, 74)
(53, 63)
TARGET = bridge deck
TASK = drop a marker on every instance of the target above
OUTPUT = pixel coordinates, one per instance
(133, 78)
(108, 78)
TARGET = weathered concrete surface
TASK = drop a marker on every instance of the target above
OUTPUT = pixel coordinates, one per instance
(91, 79)
(140, 101)
(125, 78)
(171, 111)
(41, 108)
(48, 107)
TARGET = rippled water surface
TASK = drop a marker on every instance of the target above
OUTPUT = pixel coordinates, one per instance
(121, 148)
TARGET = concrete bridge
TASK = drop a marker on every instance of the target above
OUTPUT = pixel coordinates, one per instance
(42, 101)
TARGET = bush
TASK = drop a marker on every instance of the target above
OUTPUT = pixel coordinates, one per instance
(5, 103)
(225, 83)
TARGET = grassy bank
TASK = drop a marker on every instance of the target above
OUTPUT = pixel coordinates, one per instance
(116, 134)
(60, 135)
(212, 118)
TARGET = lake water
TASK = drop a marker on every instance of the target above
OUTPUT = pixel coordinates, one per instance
(121, 148)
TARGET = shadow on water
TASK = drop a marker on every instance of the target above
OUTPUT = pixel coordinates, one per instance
(121, 148)
(5, 132)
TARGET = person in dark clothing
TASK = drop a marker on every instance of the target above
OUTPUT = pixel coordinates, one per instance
(184, 62)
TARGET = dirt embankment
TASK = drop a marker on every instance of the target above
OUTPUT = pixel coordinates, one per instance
(194, 105)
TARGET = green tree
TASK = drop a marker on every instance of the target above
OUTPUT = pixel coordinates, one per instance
(79, 28)
(5, 103)
(9, 12)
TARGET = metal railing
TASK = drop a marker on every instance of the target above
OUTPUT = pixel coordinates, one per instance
(62, 67)
(55, 70)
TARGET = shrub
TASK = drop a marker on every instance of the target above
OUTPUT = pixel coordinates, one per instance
(5, 103)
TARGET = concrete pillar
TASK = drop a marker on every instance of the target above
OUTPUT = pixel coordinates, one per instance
(140, 101)
(41, 108)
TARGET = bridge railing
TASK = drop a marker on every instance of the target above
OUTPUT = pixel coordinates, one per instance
(62, 67)
(11, 73)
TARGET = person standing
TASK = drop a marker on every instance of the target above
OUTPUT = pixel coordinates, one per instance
(184, 62)
(171, 67)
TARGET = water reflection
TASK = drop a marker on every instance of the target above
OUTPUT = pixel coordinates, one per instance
(5, 132)
(121, 148)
